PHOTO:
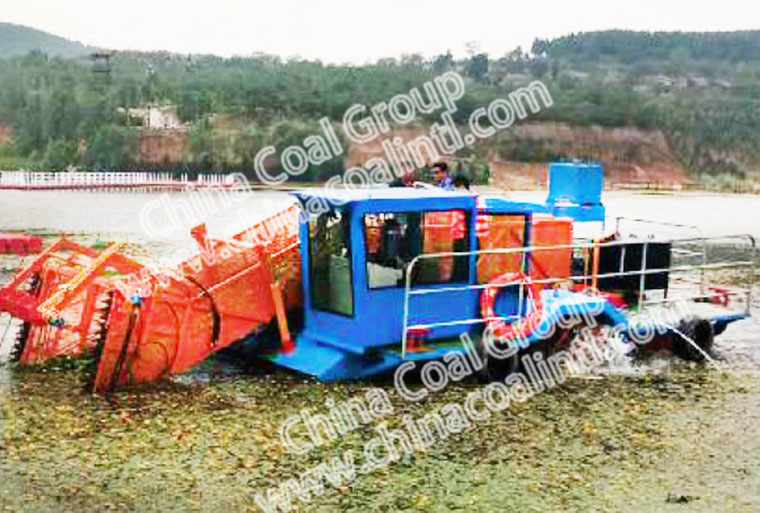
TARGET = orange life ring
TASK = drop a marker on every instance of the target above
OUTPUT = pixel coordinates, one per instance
(524, 327)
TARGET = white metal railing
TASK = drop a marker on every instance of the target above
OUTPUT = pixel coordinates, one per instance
(690, 227)
(669, 225)
(49, 179)
(642, 272)
(39, 179)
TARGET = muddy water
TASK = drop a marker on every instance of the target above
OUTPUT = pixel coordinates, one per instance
(714, 214)
(119, 213)
(161, 224)
(158, 221)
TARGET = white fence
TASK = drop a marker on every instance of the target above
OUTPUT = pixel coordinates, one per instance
(31, 179)
(39, 179)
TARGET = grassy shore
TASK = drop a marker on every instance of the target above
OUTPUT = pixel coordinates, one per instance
(602, 444)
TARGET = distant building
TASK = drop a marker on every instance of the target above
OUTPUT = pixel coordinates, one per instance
(698, 82)
(163, 136)
(156, 118)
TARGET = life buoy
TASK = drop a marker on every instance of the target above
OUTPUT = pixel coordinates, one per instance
(525, 326)
(721, 296)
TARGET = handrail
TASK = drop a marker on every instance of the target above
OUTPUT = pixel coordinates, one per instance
(408, 292)
(700, 233)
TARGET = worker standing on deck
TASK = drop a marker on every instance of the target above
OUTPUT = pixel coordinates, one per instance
(461, 183)
(407, 177)
(441, 176)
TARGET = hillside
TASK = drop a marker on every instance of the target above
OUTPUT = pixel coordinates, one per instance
(629, 154)
(17, 40)
(652, 103)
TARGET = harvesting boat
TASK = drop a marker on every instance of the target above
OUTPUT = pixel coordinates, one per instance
(350, 283)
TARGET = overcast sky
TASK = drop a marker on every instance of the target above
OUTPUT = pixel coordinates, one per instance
(359, 31)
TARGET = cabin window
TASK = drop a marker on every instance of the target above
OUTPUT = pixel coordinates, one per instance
(330, 263)
(393, 239)
(500, 231)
